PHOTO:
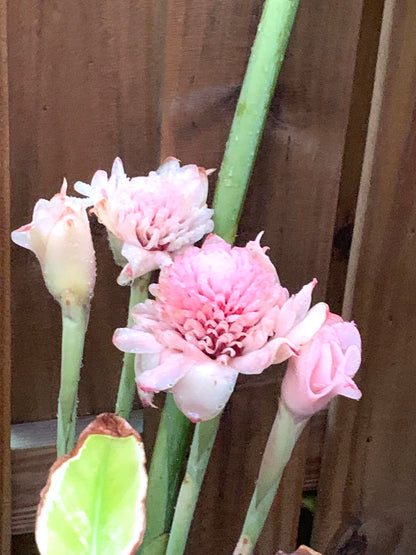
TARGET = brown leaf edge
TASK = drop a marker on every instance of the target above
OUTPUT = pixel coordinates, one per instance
(301, 550)
(107, 424)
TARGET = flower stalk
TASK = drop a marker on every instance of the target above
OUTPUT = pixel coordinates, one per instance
(164, 476)
(253, 104)
(202, 444)
(259, 83)
(74, 326)
(127, 386)
(282, 439)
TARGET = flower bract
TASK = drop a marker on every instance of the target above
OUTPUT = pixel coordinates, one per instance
(156, 216)
(218, 310)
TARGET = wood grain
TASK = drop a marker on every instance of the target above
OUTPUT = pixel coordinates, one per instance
(366, 498)
(293, 196)
(5, 490)
(84, 87)
(34, 453)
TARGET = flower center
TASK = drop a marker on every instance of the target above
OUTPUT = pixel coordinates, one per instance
(214, 334)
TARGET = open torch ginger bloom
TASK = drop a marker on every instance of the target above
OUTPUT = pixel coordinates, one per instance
(218, 310)
(156, 217)
(324, 368)
(60, 237)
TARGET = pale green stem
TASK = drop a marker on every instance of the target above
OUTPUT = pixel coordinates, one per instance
(164, 476)
(127, 386)
(74, 326)
(259, 82)
(282, 439)
(202, 444)
(263, 68)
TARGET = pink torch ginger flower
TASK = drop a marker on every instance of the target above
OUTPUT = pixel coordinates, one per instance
(324, 368)
(60, 237)
(217, 311)
(156, 217)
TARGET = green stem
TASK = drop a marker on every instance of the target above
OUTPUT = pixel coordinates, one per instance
(74, 326)
(164, 475)
(127, 386)
(263, 68)
(282, 439)
(259, 82)
(203, 441)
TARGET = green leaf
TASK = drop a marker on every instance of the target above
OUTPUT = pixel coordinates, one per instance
(94, 500)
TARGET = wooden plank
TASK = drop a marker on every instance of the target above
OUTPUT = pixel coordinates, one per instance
(5, 491)
(356, 135)
(33, 453)
(84, 87)
(43, 434)
(366, 497)
(293, 197)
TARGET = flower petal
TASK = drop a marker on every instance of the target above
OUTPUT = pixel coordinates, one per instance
(306, 329)
(131, 340)
(204, 391)
(273, 352)
(141, 261)
(165, 375)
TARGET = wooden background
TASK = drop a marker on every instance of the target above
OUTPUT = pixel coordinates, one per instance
(88, 81)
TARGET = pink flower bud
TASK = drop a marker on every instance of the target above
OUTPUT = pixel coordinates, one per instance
(324, 368)
(218, 310)
(60, 237)
(156, 217)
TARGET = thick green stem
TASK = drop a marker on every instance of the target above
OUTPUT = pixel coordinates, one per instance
(74, 326)
(282, 439)
(202, 444)
(259, 82)
(263, 68)
(127, 386)
(164, 476)
(264, 64)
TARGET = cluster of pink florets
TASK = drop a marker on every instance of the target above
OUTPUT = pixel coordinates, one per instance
(217, 311)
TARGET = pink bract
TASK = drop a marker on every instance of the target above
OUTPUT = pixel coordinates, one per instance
(156, 217)
(324, 368)
(218, 310)
(60, 237)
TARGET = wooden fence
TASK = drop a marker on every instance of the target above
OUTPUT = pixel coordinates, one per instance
(82, 82)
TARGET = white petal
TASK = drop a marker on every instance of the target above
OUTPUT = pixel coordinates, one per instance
(307, 328)
(131, 340)
(118, 169)
(165, 375)
(204, 391)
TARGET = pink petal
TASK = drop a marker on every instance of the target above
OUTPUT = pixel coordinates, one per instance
(347, 334)
(349, 389)
(131, 340)
(141, 363)
(306, 329)
(166, 375)
(141, 261)
(352, 361)
(273, 352)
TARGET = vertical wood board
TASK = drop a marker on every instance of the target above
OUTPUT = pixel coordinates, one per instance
(5, 471)
(84, 88)
(366, 498)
